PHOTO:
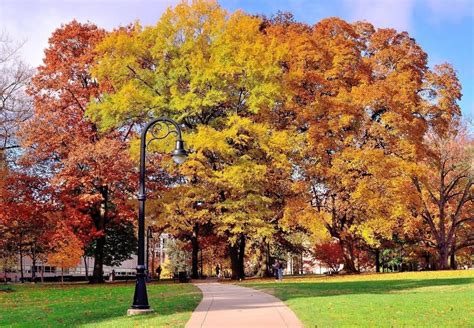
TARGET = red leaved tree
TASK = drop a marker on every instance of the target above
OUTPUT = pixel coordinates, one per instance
(91, 171)
(25, 224)
(330, 254)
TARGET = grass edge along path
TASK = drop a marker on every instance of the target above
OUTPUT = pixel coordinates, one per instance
(412, 299)
(83, 305)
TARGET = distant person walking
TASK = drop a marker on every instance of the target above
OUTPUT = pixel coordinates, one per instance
(218, 271)
(112, 276)
(276, 268)
(158, 272)
(280, 270)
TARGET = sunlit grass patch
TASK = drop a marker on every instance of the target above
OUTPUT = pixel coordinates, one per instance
(414, 299)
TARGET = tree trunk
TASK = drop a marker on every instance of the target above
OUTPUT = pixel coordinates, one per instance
(262, 265)
(263, 269)
(452, 258)
(234, 261)
(237, 256)
(62, 276)
(452, 261)
(443, 256)
(21, 265)
(427, 258)
(377, 260)
(241, 257)
(85, 266)
(269, 265)
(301, 264)
(201, 265)
(195, 252)
(100, 220)
(5, 259)
(348, 255)
(33, 262)
(98, 273)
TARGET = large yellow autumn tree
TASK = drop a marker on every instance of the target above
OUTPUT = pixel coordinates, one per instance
(219, 76)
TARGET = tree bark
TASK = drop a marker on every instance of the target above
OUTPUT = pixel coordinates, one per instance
(377, 260)
(85, 266)
(98, 273)
(263, 261)
(5, 270)
(301, 264)
(21, 264)
(100, 220)
(237, 254)
(348, 255)
(33, 262)
(452, 259)
(443, 256)
(234, 261)
(241, 257)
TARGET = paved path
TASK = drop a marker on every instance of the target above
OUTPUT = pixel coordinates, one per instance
(229, 306)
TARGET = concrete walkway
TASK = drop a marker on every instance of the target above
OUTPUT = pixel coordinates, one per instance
(229, 306)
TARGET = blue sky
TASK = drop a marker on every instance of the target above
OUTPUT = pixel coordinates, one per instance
(444, 28)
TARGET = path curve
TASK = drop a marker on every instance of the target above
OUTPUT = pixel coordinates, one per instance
(229, 306)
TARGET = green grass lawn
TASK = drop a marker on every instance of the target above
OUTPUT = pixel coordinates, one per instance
(419, 299)
(94, 305)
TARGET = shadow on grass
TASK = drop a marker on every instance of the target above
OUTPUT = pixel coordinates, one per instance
(73, 305)
(286, 291)
(6, 289)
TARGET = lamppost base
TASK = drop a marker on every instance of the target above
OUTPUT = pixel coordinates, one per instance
(131, 312)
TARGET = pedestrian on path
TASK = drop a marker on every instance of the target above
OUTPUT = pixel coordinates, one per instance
(276, 268)
(112, 276)
(158, 272)
(280, 270)
(218, 271)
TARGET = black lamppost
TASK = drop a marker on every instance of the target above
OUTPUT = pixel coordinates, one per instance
(149, 236)
(160, 128)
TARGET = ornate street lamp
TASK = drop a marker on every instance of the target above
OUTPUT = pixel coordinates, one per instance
(160, 128)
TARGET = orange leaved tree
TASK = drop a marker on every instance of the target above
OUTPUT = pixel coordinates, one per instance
(67, 253)
(364, 98)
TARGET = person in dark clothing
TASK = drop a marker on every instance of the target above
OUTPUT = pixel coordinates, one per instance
(276, 269)
(218, 271)
(158, 272)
